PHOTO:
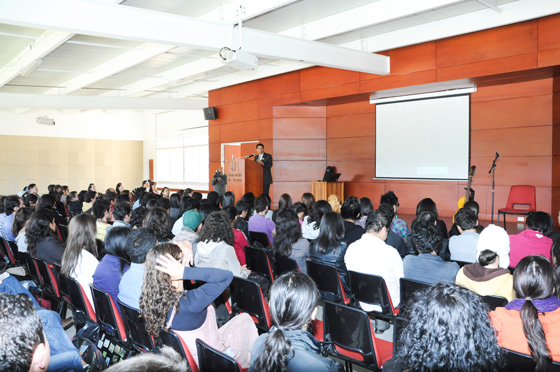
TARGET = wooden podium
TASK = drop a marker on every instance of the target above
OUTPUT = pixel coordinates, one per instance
(244, 175)
(322, 190)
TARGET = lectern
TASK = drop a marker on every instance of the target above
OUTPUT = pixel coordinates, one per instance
(244, 175)
(322, 190)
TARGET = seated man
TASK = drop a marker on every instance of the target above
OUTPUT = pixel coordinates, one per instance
(370, 255)
(532, 241)
(259, 223)
(428, 267)
(398, 226)
(350, 212)
(393, 239)
(138, 243)
(89, 198)
(463, 247)
(121, 214)
(11, 204)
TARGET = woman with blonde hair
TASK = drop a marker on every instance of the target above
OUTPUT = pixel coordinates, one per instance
(166, 304)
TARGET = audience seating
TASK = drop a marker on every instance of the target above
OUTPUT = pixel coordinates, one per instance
(173, 340)
(135, 326)
(259, 237)
(408, 287)
(494, 301)
(350, 332)
(82, 310)
(517, 362)
(328, 282)
(372, 289)
(32, 271)
(212, 360)
(285, 265)
(258, 260)
(519, 195)
(108, 316)
(247, 297)
(8, 253)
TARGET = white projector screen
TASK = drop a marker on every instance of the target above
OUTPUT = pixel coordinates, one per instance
(423, 139)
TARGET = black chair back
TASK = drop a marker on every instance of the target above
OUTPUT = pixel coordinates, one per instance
(82, 310)
(7, 252)
(257, 259)
(494, 301)
(173, 340)
(371, 289)
(108, 316)
(408, 287)
(27, 260)
(45, 277)
(135, 326)
(285, 265)
(211, 360)
(328, 282)
(247, 297)
(518, 362)
(260, 237)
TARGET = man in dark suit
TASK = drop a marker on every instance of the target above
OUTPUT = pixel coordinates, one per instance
(266, 161)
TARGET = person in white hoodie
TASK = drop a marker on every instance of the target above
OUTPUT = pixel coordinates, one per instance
(215, 246)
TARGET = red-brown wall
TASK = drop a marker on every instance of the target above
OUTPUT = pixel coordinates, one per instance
(318, 116)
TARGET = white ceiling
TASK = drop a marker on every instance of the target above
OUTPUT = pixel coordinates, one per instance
(96, 54)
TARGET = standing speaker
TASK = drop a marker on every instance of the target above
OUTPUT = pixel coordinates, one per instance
(210, 113)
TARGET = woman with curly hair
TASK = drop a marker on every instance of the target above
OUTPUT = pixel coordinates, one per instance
(157, 220)
(80, 258)
(41, 236)
(166, 304)
(311, 222)
(288, 241)
(215, 245)
(288, 346)
(448, 329)
(530, 323)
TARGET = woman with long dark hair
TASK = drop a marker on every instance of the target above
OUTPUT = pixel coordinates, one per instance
(228, 199)
(308, 200)
(529, 324)
(310, 226)
(427, 204)
(366, 207)
(80, 258)
(329, 248)
(21, 219)
(288, 241)
(285, 202)
(288, 346)
(166, 304)
(42, 238)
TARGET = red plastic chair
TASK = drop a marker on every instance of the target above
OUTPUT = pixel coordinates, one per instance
(173, 340)
(519, 195)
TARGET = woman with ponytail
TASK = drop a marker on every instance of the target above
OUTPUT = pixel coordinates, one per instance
(288, 346)
(530, 323)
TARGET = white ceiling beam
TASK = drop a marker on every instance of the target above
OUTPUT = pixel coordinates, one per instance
(227, 13)
(367, 15)
(45, 44)
(490, 6)
(113, 66)
(14, 100)
(514, 12)
(128, 23)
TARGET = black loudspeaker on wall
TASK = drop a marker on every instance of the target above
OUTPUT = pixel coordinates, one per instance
(210, 113)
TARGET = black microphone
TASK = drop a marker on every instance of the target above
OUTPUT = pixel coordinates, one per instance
(250, 156)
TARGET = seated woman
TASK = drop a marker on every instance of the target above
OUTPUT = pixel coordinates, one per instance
(215, 246)
(190, 313)
(366, 207)
(113, 265)
(288, 241)
(285, 202)
(534, 240)
(554, 253)
(41, 237)
(428, 204)
(310, 226)
(329, 248)
(445, 324)
(157, 221)
(80, 257)
(529, 324)
(288, 346)
(21, 220)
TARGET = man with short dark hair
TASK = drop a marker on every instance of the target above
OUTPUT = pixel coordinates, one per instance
(89, 198)
(138, 243)
(371, 255)
(350, 212)
(102, 212)
(33, 189)
(265, 160)
(121, 215)
(259, 223)
(428, 267)
(11, 204)
(398, 226)
(393, 239)
(463, 247)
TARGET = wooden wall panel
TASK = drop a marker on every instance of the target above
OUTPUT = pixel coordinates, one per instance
(295, 189)
(299, 149)
(331, 91)
(350, 108)
(351, 125)
(299, 171)
(279, 85)
(493, 44)
(512, 141)
(237, 132)
(365, 189)
(299, 111)
(267, 104)
(235, 113)
(240, 93)
(354, 170)
(265, 128)
(514, 90)
(510, 113)
(299, 127)
(535, 170)
(351, 148)
(549, 38)
(214, 134)
(418, 57)
(398, 81)
(324, 77)
(445, 195)
(547, 58)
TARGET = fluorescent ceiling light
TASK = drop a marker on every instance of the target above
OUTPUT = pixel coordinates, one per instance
(442, 93)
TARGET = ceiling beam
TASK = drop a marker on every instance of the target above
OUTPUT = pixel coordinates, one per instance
(367, 15)
(227, 13)
(14, 100)
(45, 44)
(128, 23)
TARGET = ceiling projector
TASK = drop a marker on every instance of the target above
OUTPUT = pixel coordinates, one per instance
(240, 60)
(45, 120)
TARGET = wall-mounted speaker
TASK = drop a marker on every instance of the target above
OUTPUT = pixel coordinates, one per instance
(210, 113)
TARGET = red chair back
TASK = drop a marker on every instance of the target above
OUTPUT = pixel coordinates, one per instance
(522, 195)
(108, 316)
(173, 340)
(247, 297)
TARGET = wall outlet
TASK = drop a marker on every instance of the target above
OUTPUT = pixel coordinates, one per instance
(520, 219)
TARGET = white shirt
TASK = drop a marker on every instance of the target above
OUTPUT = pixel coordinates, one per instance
(83, 273)
(370, 255)
(308, 230)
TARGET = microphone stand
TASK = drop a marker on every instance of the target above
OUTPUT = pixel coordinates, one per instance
(244, 157)
(493, 171)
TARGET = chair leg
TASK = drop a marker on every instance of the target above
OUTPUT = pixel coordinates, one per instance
(505, 228)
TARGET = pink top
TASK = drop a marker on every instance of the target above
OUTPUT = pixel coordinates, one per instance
(528, 243)
(239, 244)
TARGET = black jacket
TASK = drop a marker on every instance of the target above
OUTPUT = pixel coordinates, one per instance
(267, 174)
(332, 259)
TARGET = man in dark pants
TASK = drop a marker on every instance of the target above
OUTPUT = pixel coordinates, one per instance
(266, 161)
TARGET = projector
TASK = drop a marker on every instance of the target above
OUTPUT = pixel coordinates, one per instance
(45, 120)
(240, 60)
